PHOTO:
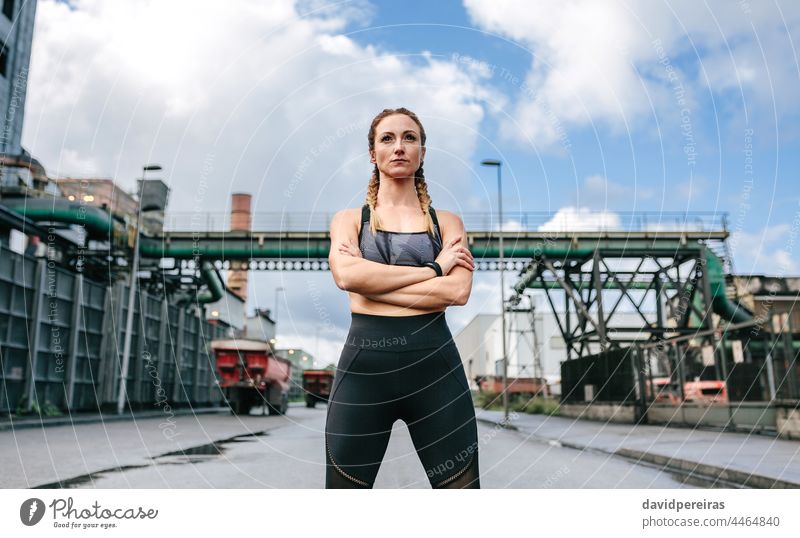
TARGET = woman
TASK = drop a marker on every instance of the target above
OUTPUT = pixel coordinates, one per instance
(399, 360)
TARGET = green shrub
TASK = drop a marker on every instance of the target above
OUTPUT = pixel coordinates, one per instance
(46, 410)
(521, 403)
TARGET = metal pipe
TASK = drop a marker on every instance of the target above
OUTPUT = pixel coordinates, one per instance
(215, 287)
(97, 222)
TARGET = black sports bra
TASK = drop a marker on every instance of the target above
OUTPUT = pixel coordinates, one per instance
(399, 248)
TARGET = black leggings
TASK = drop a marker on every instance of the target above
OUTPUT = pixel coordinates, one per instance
(405, 368)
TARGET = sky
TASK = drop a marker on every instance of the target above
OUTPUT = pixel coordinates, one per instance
(595, 107)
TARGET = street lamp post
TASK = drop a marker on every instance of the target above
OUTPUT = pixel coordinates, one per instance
(132, 281)
(279, 288)
(498, 165)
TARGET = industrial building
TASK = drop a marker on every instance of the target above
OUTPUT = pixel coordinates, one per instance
(534, 343)
(16, 36)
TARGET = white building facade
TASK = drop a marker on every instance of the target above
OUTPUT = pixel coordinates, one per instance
(534, 343)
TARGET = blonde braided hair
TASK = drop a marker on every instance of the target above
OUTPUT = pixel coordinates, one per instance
(419, 176)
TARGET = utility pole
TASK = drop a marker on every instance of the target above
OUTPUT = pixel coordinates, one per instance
(498, 164)
(132, 282)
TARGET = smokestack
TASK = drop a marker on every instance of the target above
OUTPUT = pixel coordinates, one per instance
(240, 222)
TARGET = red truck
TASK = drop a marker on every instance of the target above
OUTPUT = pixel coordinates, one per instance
(317, 386)
(252, 375)
(706, 392)
(702, 392)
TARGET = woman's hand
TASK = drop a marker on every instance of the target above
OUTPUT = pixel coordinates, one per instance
(452, 254)
(350, 249)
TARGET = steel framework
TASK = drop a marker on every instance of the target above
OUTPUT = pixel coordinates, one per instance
(672, 292)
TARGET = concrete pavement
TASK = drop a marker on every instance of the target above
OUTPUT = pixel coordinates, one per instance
(218, 450)
(738, 459)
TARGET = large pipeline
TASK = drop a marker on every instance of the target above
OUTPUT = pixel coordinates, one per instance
(720, 303)
(216, 289)
(99, 224)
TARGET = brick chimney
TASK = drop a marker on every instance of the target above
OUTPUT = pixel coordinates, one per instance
(240, 222)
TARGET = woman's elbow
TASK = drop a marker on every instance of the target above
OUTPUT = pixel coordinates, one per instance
(463, 293)
(340, 283)
(338, 276)
(462, 298)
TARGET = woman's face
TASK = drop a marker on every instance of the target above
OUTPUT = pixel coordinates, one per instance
(397, 152)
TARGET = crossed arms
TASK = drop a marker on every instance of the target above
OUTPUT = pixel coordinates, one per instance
(413, 287)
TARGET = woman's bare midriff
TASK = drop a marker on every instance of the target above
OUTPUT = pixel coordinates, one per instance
(361, 305)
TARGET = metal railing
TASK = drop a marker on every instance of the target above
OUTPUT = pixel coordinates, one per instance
(565, 220)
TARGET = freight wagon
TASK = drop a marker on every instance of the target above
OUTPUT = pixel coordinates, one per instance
(250, 374)
(317, 386)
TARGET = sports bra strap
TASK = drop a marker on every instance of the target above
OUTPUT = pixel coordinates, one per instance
(433, 215)
(365, 214)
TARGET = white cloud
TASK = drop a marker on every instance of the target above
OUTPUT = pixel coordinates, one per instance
(241, 96)
(246, 96)
(610, 61)
(768, 251)
(782, 264)
(572, 219)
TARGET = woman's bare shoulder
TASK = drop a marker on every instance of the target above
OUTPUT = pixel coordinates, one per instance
(449, 223)
(448, 216)
(349, 216)
(348, 213)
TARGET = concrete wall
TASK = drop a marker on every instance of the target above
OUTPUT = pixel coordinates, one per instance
(603, 412)
(749, 417)
(788, 422)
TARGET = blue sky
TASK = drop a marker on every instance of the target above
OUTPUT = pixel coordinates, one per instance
(645, 165)
(650, 157)
(603, 105)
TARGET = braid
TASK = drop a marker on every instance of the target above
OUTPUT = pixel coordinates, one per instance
(372, 199)
(424, 197)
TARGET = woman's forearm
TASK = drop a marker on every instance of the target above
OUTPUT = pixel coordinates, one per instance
(438, 292)
(366, 277)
